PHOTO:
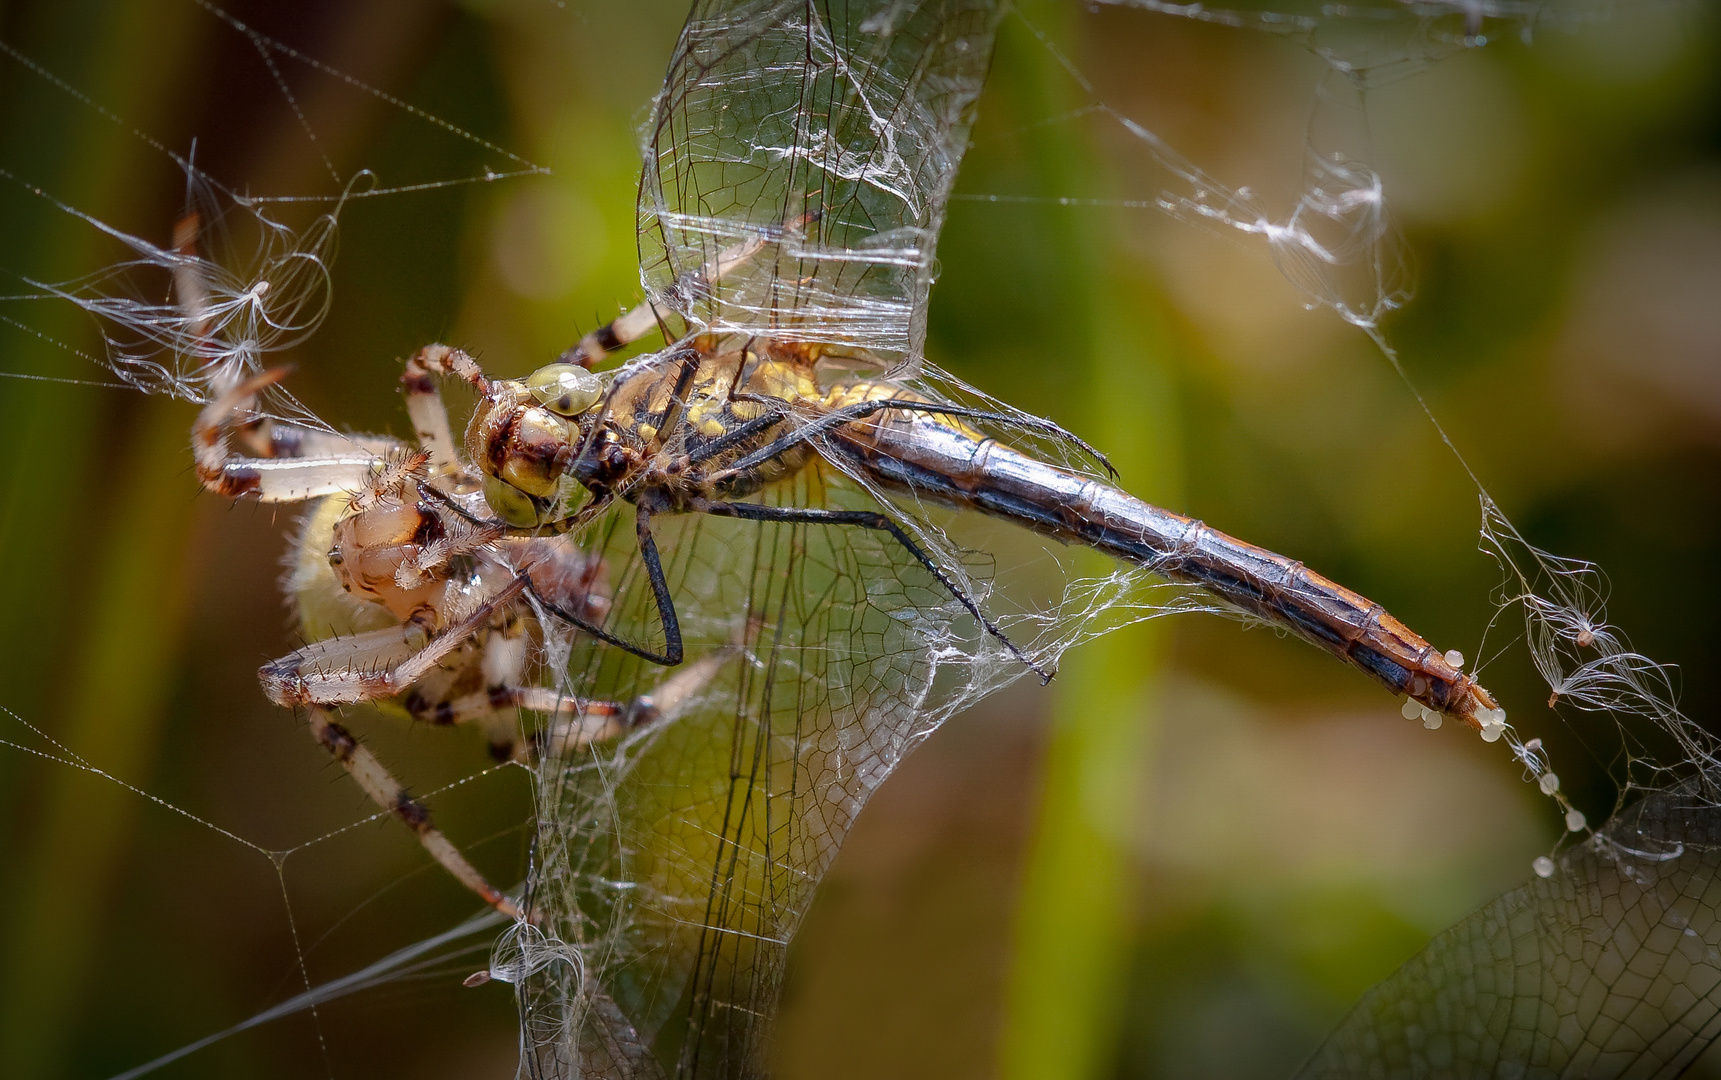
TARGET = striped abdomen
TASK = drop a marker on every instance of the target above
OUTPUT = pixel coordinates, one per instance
(946, 461)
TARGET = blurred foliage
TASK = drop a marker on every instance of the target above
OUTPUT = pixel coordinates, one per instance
(1275, 838)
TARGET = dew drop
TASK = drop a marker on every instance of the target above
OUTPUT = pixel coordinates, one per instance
(1492, 732)
(1543, 866)
(1549, 783)
(1411, 709)
(1455, 658)
(1575, 820)
(1431, 719)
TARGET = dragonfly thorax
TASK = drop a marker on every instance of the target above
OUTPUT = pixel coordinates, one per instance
(683, 428)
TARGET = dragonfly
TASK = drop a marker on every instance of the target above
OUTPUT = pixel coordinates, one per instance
(789, 479)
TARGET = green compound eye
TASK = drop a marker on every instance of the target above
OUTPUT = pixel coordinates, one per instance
(565, 389)
(510, 503)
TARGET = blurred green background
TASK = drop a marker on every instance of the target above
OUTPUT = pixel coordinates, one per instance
(1188, 855)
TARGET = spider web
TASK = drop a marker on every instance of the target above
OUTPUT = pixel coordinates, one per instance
(1337, 244)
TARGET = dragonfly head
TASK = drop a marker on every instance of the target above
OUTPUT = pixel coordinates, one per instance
(524, 435)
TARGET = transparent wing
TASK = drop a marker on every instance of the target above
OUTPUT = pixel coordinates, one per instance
(1609, 968)
(821, 137)
(676, 864)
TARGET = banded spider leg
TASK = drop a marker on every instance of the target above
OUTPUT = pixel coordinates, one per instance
(435, 617)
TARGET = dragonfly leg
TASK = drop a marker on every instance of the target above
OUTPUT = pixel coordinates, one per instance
(673, 649)
(869, 519)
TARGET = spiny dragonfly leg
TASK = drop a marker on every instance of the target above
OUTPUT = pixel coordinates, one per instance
(735, 436)
(868, 519)
(673, 649)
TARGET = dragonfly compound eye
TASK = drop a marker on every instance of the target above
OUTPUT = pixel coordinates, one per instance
(513, 505)
(522, 450)
(565, 389)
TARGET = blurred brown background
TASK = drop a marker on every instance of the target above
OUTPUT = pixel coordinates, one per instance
(1256, 835)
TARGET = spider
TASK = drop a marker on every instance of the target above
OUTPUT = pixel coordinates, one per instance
(411, 597)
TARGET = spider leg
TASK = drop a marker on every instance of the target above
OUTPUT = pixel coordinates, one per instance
(424, 400)
(369, 667)
(279, 440)
(387, 792)
(575, 723)
(330, 463)
(664, 703)
(259, 436)
(373, 665)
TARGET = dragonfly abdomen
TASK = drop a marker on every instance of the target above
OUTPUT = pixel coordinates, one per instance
(945, 461)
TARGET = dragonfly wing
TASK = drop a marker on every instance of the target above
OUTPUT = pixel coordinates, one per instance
(1609, 967)
(806, 149)
(677, 863)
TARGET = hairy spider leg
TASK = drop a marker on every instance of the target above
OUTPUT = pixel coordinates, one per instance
(384, 663)
(424, 400)
(574, 722)
(259, 436)
(373, 666)
(566, 735)
(387, 792)
(313, 463)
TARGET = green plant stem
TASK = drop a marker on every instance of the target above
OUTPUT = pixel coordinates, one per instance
(1073, 934)
(95, 529)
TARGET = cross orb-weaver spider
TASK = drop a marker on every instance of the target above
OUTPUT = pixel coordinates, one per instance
(412, 596)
